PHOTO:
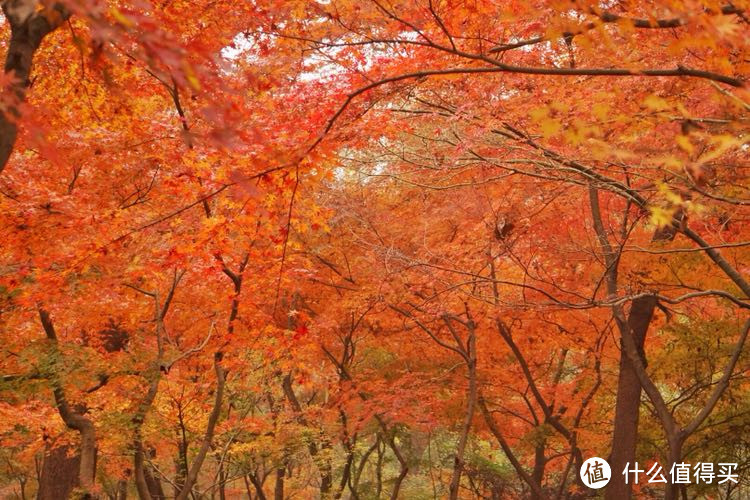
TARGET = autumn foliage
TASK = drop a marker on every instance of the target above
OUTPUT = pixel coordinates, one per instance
(372, 249)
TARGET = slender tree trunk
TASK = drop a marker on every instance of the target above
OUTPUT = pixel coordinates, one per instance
(223, 475)
(208, 436)
(536, 488)
(628, 404)
(391, 442)
(379, 470)
(469, 416)
(278, 489)
(122, 489)
(326, 476)
(354, 487)
(182, 463)
(257, 484)
(22, 486)
(153, 376)
(247, 487)
(138, 453)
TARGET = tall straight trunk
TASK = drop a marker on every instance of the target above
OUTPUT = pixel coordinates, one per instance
(627, 406)
(223, 476)
(181, 467)
(278, 489)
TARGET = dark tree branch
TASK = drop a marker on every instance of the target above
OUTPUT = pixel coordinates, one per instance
(28, 28)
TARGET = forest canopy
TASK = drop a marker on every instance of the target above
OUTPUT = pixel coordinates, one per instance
(405, 249)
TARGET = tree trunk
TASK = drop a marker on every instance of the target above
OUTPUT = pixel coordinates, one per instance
(323, 464)
(540, 461)
(257, 484)
(141, 484)
(627, 407)
(468, 417)
(208, 436)
(223, 476)
(154, 485)
(73, 419)
(122, 489)
(181, 466)
(22, 487)
(278, 490)
(672, 491)
(346, 475)
(59, 474)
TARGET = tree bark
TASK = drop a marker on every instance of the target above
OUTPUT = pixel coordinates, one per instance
(540, 461)
(278, 489)
(59, 474)
(154, 485)
(627, 406)
(141, 485)
(671, 491)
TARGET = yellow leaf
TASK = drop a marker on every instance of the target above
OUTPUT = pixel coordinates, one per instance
(600, 110)
(656, 103)
(669, 195)
(550, 127)
(684, 142)
(538, 113)
(724, 143)
(121, 18)
(669, 161)
(190, 76)
(661, 217)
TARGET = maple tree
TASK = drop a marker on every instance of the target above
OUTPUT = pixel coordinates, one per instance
(403, 249)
